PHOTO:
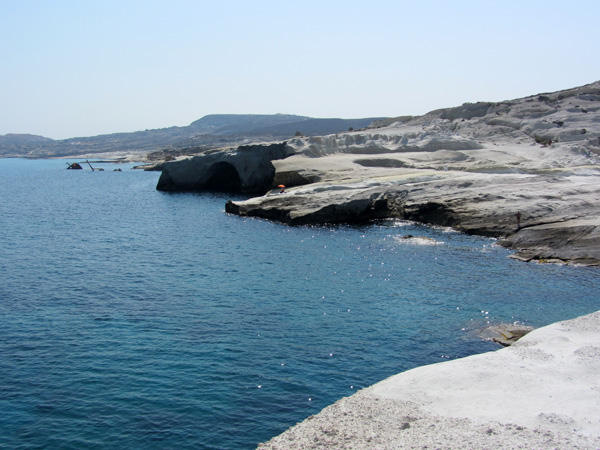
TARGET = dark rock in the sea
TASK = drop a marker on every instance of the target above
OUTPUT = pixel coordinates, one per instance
(575, 241)
(507, 334)
(247, 169)
(74, 166)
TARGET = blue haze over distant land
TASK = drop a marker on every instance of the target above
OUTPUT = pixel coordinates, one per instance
(133, 318)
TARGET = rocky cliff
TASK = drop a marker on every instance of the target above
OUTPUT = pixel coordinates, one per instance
(526, 171)
(245, 169)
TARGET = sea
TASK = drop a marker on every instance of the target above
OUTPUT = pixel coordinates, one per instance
(132, 318)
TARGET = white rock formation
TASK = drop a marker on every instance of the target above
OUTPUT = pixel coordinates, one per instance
(474, 167)
(541, 393)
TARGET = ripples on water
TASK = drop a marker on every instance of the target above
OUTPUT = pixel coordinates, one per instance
(133, 318)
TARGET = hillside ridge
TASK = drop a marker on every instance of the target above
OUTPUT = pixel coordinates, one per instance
(211, 131)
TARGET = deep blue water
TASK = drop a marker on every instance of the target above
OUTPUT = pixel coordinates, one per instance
(131, 318)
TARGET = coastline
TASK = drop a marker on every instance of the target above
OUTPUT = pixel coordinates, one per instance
(540, 393)
(525, 171)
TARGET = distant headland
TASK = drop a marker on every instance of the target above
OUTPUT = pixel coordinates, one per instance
(209, 132)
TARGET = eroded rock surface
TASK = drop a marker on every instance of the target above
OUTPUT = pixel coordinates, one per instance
(526, 171)
(540, 393)
(246, 169)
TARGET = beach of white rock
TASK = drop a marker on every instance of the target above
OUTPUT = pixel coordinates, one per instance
(541, 393)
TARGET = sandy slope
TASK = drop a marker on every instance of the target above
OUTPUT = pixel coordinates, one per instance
(541, 393)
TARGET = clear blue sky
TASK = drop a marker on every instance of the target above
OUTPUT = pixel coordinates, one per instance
(82, 68)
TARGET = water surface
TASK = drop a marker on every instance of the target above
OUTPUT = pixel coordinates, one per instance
(133, 318)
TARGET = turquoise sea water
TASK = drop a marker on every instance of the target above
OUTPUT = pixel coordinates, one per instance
(131, 318)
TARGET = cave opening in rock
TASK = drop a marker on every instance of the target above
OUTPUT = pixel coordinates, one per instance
(223, 177)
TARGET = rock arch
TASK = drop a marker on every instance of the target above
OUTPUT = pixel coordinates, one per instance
(247, 170)
(223, 176)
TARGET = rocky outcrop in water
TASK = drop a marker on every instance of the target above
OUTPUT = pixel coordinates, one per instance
(246, 169)
(505, 334)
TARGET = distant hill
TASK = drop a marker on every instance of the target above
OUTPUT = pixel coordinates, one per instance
(210, 131)
(21, 144)
(241, 123)
(22, 139)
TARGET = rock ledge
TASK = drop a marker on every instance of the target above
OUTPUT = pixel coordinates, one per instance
(540, 393)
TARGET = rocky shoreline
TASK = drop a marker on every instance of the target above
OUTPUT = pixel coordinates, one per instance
(540, 393)
(525, 171)
(557, 227)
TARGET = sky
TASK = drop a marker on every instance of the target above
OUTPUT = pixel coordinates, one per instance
(84, 68)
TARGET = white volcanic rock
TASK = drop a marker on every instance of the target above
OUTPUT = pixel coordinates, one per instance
(541, 393)
(473, 167)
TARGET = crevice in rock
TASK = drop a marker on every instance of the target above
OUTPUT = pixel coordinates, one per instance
(433, 213)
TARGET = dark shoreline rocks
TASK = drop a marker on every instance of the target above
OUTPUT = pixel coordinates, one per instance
(246, 169)
(565, 235)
